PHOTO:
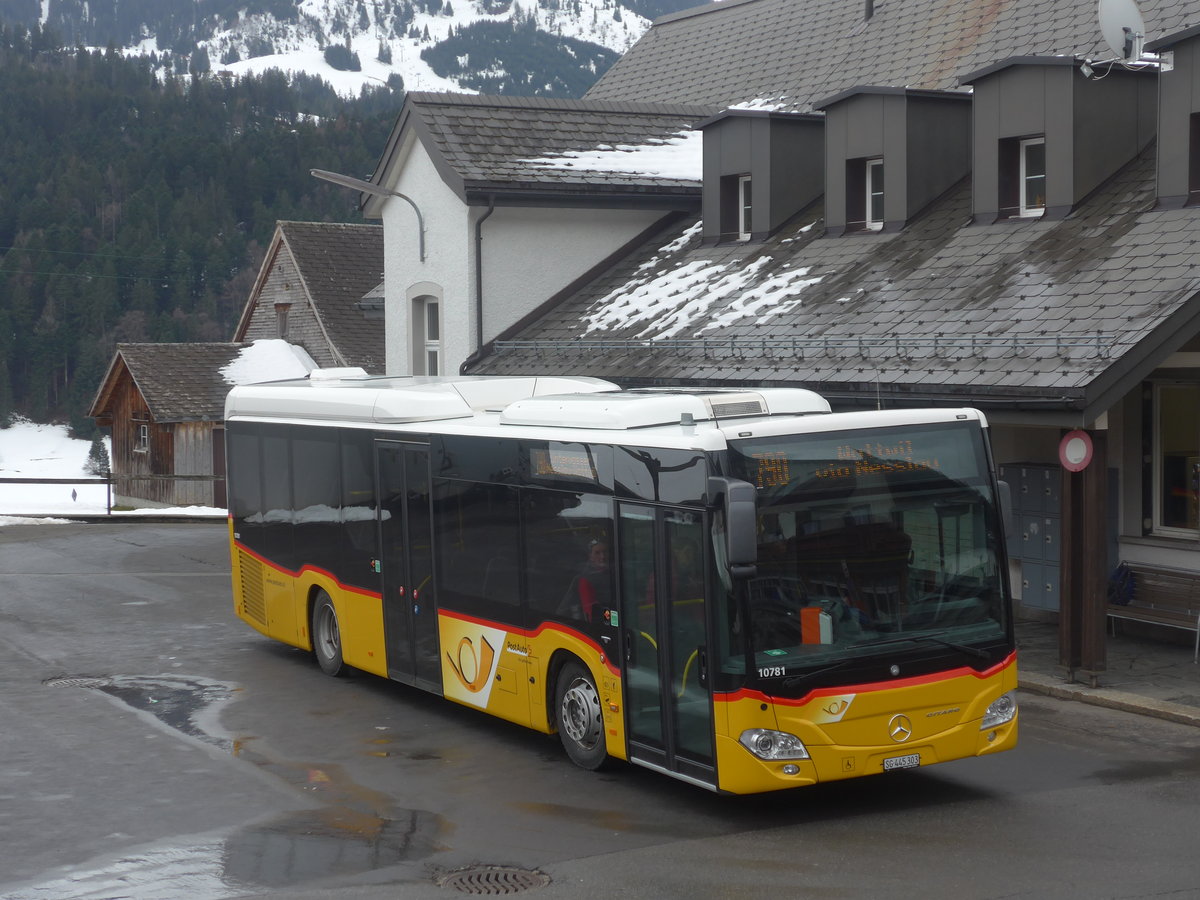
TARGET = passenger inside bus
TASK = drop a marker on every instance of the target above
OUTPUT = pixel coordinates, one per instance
(590, 592)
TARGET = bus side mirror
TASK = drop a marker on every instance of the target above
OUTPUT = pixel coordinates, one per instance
(1006, 506)
(739, 502)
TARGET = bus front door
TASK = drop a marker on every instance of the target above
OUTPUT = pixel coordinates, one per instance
(406, 562)
(668, 704)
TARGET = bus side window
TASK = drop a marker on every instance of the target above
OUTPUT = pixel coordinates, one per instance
(563, 531)
(477, 525)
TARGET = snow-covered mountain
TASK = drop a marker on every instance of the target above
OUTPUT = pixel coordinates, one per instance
(553, 47)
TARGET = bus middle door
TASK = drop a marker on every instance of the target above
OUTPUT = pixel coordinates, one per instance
(668, 703)
(406, 557)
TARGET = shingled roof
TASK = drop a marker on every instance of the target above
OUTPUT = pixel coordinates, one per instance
(1037, 314)
(533, 145)
(339, 265)
(179, 382)
(790, 54)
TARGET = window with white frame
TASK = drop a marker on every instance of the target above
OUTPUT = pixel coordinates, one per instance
(427, 336)
(1176, 458)
(141, 438)
(873, 200)
(745, 206)
(864, 194)
(1031, 179)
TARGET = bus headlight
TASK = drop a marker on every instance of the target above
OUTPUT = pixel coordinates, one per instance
(1001, 710)
(767, 744)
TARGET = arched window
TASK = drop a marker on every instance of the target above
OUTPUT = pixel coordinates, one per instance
(427, 336)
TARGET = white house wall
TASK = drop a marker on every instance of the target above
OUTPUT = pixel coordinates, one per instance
(446, 272)
(530, 254)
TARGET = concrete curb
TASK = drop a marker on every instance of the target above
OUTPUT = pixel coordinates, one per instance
(1049, 686)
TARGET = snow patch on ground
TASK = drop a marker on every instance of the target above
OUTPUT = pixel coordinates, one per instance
(29, 450)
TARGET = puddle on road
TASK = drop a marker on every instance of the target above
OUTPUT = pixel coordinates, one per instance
(185, 704)
(354, 830)
(286, 851)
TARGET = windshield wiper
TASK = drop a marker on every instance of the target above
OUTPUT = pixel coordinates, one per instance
(793, 680)
(930, 638)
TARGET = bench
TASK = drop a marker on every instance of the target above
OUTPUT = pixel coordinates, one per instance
(1158, 595)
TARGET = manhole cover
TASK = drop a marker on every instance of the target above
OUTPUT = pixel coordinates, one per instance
(492, 880)
(85, 681)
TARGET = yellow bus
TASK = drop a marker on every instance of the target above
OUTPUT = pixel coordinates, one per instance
(738, 588)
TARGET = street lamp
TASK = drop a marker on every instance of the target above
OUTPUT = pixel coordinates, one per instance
(367, 187)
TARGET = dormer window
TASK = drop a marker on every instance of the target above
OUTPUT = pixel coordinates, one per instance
(1046, 136)
(1178, 106)
(864, 194)
(874, 195)
(744, 208)
(760, 169)
(1032, 179)
(737, 208)
(1022, 177)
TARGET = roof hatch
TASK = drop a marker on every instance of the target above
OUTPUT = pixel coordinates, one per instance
(619, 410)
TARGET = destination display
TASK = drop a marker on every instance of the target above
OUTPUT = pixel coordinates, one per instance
(824, 460)
(562, 461)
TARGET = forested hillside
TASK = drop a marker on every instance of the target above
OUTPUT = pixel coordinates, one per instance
(133, 209)
(516, 58)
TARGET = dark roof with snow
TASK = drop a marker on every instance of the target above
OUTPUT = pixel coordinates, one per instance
(792, 53)
(506, 147)
(1037, 314)
(340, 265)
(179, 382)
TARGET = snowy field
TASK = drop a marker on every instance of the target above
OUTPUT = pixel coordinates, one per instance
(29, 450)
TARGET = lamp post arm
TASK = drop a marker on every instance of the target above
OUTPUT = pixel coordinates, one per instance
(367, 187)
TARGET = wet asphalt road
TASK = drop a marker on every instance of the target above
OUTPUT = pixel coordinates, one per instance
(154, 747)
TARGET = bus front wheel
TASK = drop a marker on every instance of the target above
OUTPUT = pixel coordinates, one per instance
(326, 635)
(580, 725)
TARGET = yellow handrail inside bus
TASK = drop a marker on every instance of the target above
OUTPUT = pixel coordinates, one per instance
(687, 668)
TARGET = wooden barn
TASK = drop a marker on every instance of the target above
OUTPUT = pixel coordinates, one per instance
(317, 301)
(165, 405)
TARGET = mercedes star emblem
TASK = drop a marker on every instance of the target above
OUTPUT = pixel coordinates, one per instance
(900, 728)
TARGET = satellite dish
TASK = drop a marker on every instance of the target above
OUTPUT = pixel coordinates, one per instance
(1123, 28)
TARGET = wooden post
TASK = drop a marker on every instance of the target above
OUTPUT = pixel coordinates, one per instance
(1069, 613)
(1082, 648)
(1094, 581)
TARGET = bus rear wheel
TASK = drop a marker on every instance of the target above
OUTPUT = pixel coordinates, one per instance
(326, 635)
(580, 724)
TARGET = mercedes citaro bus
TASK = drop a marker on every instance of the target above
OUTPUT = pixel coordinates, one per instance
(737, 588)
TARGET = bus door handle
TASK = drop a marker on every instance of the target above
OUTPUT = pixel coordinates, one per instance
(702, 662)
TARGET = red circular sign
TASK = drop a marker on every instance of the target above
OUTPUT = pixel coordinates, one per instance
(1075, 451)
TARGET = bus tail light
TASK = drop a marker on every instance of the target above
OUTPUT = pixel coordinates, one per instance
(1001, 710)
(767, 744)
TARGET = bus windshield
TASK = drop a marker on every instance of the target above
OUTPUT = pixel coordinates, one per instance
(872, 542)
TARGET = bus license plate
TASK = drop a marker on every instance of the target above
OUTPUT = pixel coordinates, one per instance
(902, 762)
